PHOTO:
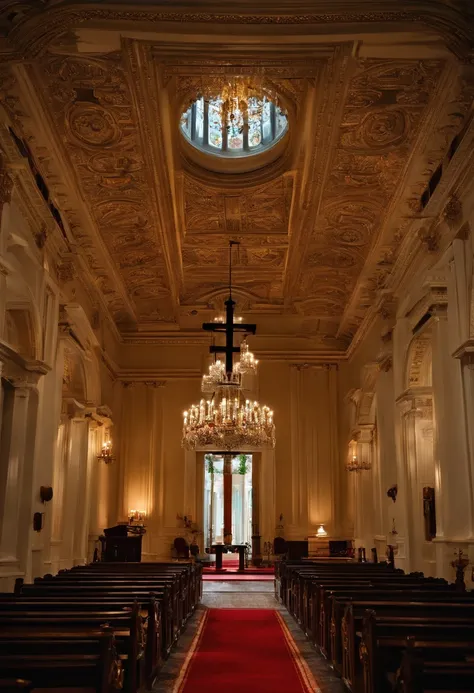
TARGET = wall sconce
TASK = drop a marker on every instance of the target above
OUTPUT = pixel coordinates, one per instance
(136, 516)
(106, 453)
(392, 492)
(354, 462)
(321, 532)
(38, 521)
(46, 494)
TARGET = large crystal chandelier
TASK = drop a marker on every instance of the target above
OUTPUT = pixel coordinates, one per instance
(228, 420)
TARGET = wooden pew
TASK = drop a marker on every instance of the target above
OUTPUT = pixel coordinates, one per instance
(355, 604)
(418, 672)
(150, 613)
(384, 639)
(320, 614)
(318, 594)
(126, 624)
(83, 596)
(15, 686)
(109, 593)
(86, 661)
(182, 603)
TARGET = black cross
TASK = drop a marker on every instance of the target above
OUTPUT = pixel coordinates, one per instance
(228, 327)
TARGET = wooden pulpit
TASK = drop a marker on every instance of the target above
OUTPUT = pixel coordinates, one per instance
(122, 544)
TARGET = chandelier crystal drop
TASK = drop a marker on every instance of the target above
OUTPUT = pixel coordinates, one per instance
(228, 422)
(228, 419)
(248, 363)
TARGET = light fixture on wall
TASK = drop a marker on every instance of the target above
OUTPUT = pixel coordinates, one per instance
(228, 420)
(138, 516)
(106, 453)
(356, 463)
(321, 532)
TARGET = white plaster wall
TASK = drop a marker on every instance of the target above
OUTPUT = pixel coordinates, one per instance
(301, 478)
(33, 410)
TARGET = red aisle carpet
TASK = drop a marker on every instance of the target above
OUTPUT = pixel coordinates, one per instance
(249, 650)
(230, 572)
(237, 576)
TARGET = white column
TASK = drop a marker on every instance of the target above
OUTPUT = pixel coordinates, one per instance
(386, 457)
(13, 452)
(337, 515)
(3, 297)
(141, 460)
(267, 514)
(455, 497)
(403, 513)
(96, 477)
(74, 516)
(49, 408)
(189, 484)
(298, 489)
(364, 491)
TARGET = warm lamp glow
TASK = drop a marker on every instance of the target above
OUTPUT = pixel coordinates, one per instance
(321, 531)
(106, 453)
(137, 515)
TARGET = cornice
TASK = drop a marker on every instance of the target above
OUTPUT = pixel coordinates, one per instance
(465, 353)
(301, 357)
(164, 338)
(33, 368)
(31, 36)
(144, 375)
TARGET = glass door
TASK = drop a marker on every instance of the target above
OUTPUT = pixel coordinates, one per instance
(213, 521)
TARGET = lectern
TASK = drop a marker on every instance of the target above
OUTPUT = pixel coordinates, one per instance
(122, 543)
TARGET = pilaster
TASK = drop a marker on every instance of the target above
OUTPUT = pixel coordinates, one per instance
(12, 453)
(451, 441)
(74, 520)
(141, 463)
(267, 496)
(3, 296)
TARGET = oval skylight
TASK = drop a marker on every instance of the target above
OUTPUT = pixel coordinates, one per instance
(254, 127)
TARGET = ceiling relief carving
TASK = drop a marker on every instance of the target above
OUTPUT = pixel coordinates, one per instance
(322, 227)
(262, 209)
(386, 107)
(258, 217)
(93, 111)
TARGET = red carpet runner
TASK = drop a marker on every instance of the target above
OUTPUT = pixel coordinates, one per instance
(249, 650)
(225, 577)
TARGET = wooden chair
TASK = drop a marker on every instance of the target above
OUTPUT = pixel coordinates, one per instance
(181, 547)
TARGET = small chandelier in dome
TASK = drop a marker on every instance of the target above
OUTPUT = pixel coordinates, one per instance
(239, 116)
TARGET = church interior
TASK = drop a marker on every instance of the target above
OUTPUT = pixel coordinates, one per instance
(237, 345)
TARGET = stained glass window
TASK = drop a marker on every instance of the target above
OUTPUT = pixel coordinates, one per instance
(247, 129)
(215, 124)
(255, 123)
(199, 119)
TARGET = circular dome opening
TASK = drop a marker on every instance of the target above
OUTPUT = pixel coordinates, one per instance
(232, 127)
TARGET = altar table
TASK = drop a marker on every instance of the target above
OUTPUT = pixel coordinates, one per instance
(221, 549)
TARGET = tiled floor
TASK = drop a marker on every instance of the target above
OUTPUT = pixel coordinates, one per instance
(245, 595)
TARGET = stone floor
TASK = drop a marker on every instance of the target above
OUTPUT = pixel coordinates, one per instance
(244, 595)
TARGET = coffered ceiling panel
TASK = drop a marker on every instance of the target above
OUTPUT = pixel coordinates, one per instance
(93, 111)
(320, 227)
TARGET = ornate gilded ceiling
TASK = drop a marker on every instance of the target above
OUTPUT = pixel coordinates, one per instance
(98, 98)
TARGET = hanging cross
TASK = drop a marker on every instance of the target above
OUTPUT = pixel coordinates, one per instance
(229, 327)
